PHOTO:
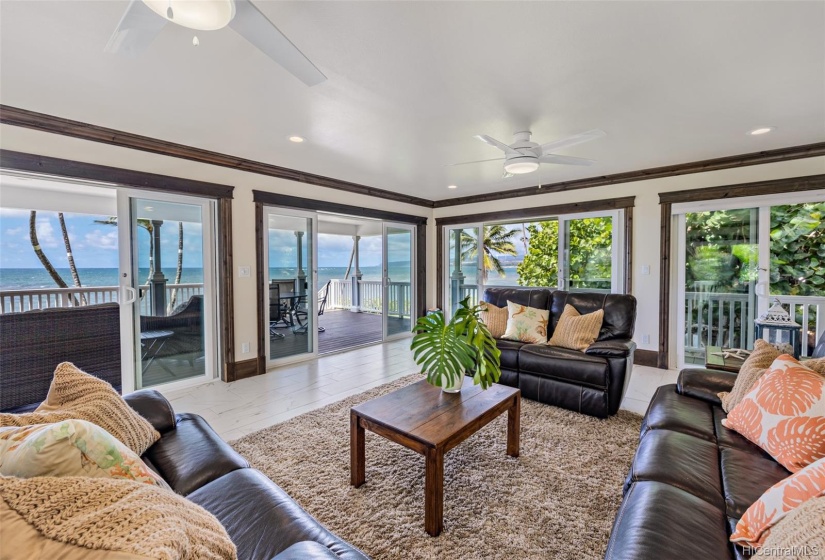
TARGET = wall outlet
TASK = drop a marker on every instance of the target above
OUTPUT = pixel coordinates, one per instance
(244, 272)
(645, 339)
(646, 269)
(244, 348)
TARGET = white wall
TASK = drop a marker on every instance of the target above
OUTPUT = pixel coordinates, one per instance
(646, 221)
(645, 213)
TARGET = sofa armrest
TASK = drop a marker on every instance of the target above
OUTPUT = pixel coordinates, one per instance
(704, 383)
(620, 348)
(154, 407)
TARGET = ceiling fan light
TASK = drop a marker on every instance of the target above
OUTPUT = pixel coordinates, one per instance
(521, 167)
(204, 15)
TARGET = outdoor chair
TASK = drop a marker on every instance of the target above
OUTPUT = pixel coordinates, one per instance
(301, 308)
(279, 316)
(186, 324)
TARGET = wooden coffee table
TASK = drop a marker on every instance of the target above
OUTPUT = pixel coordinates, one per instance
(427, 420)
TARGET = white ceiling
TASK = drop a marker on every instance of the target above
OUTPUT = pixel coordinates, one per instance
(410, 83)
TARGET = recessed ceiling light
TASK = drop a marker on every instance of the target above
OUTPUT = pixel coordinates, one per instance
(761, 130)
(296, 139)
(452, 186)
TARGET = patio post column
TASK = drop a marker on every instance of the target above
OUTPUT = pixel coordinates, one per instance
(157, 284)
(457, 277)
(356, 278)
(302, 277)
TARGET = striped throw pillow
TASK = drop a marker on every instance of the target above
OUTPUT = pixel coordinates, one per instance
(495, 318)
(576, 331)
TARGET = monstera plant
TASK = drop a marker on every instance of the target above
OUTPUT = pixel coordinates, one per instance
(446, 351)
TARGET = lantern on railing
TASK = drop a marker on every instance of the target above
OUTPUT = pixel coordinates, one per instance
(777, 327)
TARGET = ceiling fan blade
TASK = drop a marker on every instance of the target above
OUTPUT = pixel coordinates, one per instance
(258, 30)
(496, 144)
(572, 140)
(137, 29)
(565, 160)
(477, 161)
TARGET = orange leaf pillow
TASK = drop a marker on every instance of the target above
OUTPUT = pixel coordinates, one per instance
(779, 500)
(784, 414)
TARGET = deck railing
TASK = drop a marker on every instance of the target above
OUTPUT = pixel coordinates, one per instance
(16, 301)
(723, 319)
(400, 296)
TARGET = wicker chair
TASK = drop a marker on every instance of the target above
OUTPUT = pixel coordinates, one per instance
(186, 324)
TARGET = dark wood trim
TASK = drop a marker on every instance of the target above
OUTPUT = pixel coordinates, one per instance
(668, 199)
(316, 205)
(242, 369)
(540, 211)
(15, 116)
(117, 177)
(760, 188)
(628, 250)
(648, 358)
(420, 270)
(260, 285)
(664, 286)
(226, 302)
(439, 267)
(33, 163)
(727, 162)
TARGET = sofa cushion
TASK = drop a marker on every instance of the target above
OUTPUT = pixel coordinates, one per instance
(725, 437)
(669, 410)
(750, 371)
(193, 455)
(262, 519)
(681, 460)
(495, 318)
(306, 550)
(509, 353)
(564, 364)
(657, 520)
(619, 311)
(800, 528)
(526, 324)
(531, 297)
(746, 474)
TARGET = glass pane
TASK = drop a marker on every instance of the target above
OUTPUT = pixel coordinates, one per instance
(798, 265)
(399, 286)
(721, 266)
(589, 254)
(539, 265)
(169, 274)
(463, 266)
(291, 320)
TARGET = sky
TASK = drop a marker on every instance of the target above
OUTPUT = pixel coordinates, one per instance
(94, 245)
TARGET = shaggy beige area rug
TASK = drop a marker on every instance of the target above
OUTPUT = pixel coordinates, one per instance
(557, 500)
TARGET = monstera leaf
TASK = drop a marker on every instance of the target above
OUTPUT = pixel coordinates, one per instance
(448, 350)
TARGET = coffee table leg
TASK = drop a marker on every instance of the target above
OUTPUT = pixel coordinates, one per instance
(357, 464)
(434, 492)
(514, 427)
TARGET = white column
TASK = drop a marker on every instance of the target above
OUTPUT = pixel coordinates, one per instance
(302, 276)
(356, 278)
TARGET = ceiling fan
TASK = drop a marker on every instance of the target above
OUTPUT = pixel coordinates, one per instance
(144, 19)
(524, 156)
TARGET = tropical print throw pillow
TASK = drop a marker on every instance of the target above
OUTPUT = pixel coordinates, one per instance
(70, 448)
(526, 324)
(784, 414)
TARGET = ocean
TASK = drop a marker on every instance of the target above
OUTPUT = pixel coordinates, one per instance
(35, 278)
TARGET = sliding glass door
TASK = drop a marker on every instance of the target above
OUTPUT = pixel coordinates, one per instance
(168, 289)
(399, 271)
(735, 257)
(291, 301)
(463, 259)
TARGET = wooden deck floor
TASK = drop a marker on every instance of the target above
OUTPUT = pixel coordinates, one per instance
(343, 329)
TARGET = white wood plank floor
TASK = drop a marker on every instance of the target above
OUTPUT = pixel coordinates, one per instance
(242, 407)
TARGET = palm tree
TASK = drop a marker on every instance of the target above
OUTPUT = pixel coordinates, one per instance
(145, 224)
(47, 264)
(178, 271)
(498, 240)
(69, 256)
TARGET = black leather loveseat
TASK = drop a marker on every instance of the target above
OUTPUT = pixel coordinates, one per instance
(261, 519)
(692, 479)
(593, 381)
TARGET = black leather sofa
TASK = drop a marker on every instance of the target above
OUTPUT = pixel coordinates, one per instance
(261, 519)
(592, 382)
(692, 479)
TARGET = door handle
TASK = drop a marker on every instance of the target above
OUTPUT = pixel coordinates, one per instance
(129, 295)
